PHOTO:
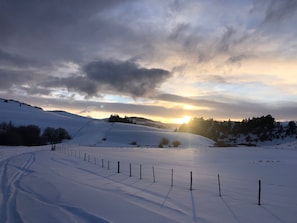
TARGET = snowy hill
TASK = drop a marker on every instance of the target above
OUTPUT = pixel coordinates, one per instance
(92, 178)
(94, 132)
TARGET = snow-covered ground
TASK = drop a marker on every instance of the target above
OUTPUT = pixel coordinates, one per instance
(79, 182)
(70, 184)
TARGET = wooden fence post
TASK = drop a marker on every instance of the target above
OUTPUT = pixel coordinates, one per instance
(219, 183)
(172, 177)
(154, 179)
(130, 170)
(191, 180)
(118, 166)
(140, 172)
(108, 165)
(102, 163)
(259, 193)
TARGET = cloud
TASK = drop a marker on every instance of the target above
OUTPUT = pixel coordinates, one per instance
(9, 78)
(14, 59)
(190, 101)
(56, 30)
(230, 108)
(31, 17)
(280, 10)
(220, 111)
(35, 90)
(50, 47)
(276, 19)
(234, 35)
(178, 31)
(115, 77)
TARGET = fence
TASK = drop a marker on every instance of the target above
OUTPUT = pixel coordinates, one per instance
(215, 185)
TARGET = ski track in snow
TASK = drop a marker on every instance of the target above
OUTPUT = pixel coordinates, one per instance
(12, 171)
(141, 194)
(9, 211)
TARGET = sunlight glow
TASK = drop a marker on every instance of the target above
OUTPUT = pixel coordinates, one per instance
(189, 107)
(183, 120)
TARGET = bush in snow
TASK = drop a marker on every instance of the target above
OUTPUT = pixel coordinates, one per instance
(52, 135)
(176, 143)
(164, 142)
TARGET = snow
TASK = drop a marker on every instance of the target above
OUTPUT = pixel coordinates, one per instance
(79, 182)
(39, 185)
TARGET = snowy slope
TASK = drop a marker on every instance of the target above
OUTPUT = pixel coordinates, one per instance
(23, 114)
(38, 185)
(92, 132)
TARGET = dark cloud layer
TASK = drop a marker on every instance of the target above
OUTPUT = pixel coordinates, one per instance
(13, 59)
(126, 77)
(55, 30)
(115, 77)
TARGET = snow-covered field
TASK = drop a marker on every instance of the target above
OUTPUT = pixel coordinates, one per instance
(79, 182)
(70, 184)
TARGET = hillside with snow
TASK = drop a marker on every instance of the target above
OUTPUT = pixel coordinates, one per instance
(94, 132)
(115, 172)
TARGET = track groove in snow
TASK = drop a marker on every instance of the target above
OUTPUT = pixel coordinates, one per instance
(9, 190)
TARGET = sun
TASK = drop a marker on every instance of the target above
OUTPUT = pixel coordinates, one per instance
(183, 120)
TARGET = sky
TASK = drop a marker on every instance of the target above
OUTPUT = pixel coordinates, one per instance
(166, 60)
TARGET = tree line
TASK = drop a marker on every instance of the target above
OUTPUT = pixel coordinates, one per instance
(117, 118)
(248, 131)
(30, 135)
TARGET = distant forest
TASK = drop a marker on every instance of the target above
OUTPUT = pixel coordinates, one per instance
(30, 135)
(249, 131)
(117, 118)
